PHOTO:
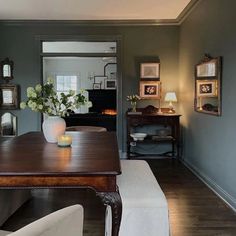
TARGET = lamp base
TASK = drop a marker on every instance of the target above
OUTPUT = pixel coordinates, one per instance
(159, 111)
(171, 111)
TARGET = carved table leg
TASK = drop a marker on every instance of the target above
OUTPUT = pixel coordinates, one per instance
(113, 199)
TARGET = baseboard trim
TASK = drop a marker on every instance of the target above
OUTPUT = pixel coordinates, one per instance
(227, 198)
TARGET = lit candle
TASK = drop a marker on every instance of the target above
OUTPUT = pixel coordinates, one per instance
(64, 140)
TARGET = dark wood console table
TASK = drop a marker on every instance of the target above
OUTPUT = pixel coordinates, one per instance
(150, 116)
(92, 161)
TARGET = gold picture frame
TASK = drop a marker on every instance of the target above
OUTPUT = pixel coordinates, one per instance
(207, 69)
(208, 82)
(206, 88)
(150, 89)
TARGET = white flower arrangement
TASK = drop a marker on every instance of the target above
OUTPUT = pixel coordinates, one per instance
(133, 98)
(133, 101)
(44, 99)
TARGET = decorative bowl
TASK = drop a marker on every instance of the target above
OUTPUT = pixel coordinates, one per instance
(138, 136)
(163, 132)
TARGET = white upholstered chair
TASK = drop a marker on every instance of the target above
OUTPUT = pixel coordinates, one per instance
(65, 222)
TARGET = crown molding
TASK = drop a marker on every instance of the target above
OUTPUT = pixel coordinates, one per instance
(181, 17)
(91, 23)
(187, 11)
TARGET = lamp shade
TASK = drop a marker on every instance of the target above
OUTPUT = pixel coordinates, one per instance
(170, 97)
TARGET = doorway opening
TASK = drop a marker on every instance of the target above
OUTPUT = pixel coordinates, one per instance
(92, 66)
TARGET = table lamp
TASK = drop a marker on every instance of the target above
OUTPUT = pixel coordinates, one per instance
(171, 97)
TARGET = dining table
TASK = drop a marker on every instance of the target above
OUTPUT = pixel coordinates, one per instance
(92, 161)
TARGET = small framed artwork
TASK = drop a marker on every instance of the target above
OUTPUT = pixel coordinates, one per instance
(9, 96)
(150, 89)
(110, 84)
(206, 88)
(96, 86)
(207, 69)
(100, 79)
(150, 70)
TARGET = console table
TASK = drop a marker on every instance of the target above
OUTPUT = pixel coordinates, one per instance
(151, 116)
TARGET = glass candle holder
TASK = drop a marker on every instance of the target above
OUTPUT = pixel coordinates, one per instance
(64, 140)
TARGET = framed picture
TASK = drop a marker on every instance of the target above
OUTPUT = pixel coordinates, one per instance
(96, 86)
(150, 70)
(207, 69)
(206, 88)
(100, 79)
(110, 84)
(150, 89)
(9, 96)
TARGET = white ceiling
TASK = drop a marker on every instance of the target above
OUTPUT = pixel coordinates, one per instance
(91, 9)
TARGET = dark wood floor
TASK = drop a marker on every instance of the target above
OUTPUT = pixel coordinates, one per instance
(194, 209)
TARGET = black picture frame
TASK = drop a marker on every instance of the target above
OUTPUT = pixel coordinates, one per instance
(100, 79)
(110, 84)
(96, 86)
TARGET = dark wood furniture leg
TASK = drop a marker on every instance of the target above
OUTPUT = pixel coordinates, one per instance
(113, 200)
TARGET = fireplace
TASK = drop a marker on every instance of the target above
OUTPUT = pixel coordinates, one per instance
(102, 113)
(102, 100)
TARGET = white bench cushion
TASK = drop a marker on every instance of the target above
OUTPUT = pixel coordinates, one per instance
(145, 209)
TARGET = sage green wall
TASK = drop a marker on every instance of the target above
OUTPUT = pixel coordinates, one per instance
(209, 141)
(18, 42)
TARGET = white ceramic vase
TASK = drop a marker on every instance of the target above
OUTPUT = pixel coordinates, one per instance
(53, 126)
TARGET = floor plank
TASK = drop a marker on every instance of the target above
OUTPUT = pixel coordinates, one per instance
(194, 209)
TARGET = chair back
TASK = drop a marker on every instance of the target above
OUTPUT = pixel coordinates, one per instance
(65, 222)
(86, 128)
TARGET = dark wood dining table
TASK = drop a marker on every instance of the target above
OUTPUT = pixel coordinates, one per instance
(92, 161)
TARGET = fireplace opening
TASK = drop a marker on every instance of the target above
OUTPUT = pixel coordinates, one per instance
(111, 112)
(104, 101)
(102, 113)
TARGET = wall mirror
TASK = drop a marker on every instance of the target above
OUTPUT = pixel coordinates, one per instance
(7, 70)
(8, 125)
(110, 69)
(208, 86)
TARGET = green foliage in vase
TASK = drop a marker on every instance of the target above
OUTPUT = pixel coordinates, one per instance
(44, 99)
